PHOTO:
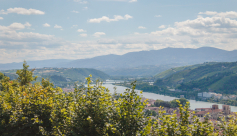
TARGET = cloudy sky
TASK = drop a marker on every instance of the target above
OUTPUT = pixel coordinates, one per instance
(76, 29)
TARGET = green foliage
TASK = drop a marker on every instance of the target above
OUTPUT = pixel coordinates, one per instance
(25, 109)
(150, 113)
(186, 125)
(171, 104)
(24, 75)
(45, 83)
(1, 76)
(220, 77)
(160, 103)
(57, 78)
(35, 109)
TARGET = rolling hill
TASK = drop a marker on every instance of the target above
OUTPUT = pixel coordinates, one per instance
(62, 76)
(217, 77)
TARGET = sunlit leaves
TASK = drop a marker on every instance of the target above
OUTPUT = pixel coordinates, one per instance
(40, 109)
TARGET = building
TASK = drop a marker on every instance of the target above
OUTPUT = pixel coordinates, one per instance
(209, 95)
(214, 112)
(226, 109)
(151, 101)
(206, 94)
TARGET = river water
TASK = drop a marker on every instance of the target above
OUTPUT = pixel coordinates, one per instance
(193, 104)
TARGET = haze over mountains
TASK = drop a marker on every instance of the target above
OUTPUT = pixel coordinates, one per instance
(149, 62)
(158, 57)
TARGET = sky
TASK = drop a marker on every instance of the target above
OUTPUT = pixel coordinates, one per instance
(78, 29)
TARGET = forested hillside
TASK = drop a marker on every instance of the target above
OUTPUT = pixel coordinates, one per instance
(62, 76)
(217, 77)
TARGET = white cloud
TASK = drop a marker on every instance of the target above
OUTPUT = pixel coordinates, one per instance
(16, 26)
(127, 17)
(201, 22)
(22, 11)
(219, 30)
(83, 35)
(27, 24)
(57, 26)
(130, 1)
(215, 31)
(141, 27)
(229, 14)
(9, 34)
(1, 18)
(162, 26)
(158, 16)
(74, 11)
(85, 8)
(208, 13)
(81, 1)
(81, 30)
(46, 25)
(133, 1)
(107, 19)
(74, 26)
(98, 34)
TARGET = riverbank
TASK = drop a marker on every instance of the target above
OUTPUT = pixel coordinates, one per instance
(179, 94)
(193, 103)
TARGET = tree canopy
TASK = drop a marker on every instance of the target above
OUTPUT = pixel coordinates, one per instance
(24, 75)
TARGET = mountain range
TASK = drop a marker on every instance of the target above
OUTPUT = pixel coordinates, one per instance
(138, 63)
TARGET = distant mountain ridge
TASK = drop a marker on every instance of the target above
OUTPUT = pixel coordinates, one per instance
(35, 64)
(158, 57)
(133, 61)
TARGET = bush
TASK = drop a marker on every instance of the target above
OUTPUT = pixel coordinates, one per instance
(39, 109)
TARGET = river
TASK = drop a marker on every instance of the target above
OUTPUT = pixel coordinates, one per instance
(193, 104)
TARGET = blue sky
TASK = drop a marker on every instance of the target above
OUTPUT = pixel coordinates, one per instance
(76, 29)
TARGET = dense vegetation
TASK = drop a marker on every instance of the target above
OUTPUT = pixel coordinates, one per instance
(62, 77)
(139, 71)
(217, 77)
(171, 104)
(28, 109)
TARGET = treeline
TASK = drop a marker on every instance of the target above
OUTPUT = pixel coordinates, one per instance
(28, 109)
(171, 104)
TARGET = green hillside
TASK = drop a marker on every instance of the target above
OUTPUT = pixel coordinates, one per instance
(63, 76)
(174, 70)
(217, 77)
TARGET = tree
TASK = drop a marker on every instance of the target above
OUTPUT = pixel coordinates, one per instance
(25, 76)
(182, 101)
(1, 76)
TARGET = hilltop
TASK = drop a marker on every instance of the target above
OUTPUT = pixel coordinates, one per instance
(217, 77)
